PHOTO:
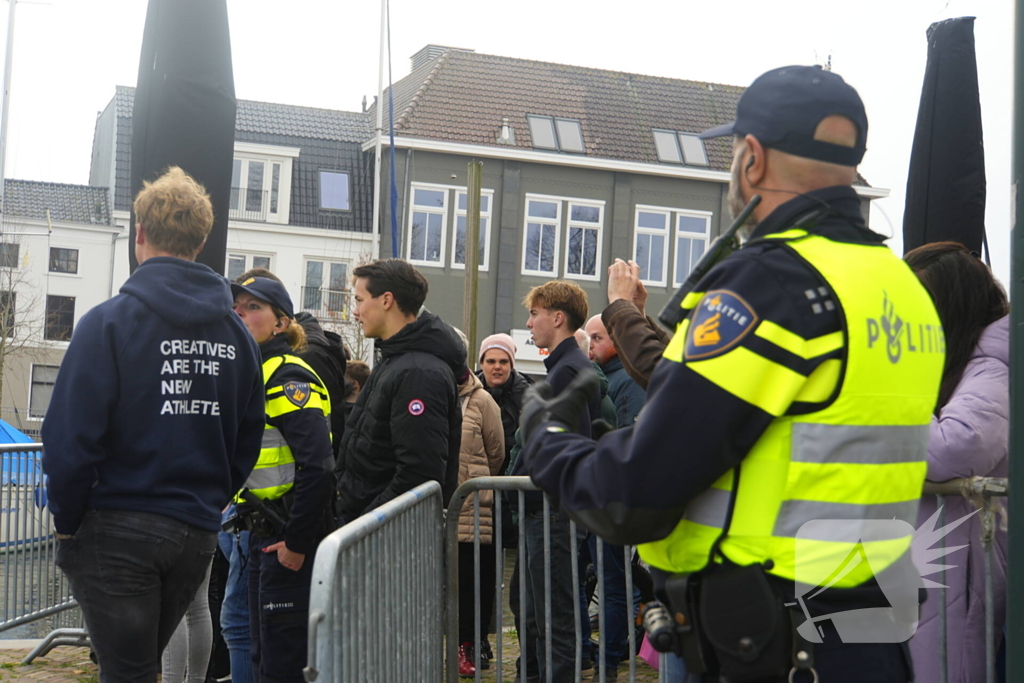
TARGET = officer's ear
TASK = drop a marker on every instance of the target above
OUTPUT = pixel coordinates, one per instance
(755, 163)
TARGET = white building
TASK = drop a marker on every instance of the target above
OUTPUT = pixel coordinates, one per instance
(300, 206)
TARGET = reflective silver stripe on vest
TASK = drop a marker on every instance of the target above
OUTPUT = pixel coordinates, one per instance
(269, 477)
(272, 438)
(823, 443)
(710, 508)
(793, 514)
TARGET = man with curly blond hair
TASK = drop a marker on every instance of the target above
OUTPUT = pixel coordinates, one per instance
(156, 420)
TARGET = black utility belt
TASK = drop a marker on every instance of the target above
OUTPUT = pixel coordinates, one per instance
(263, 517)
(729, 620)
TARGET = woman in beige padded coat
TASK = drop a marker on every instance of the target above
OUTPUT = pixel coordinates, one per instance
(481, 455)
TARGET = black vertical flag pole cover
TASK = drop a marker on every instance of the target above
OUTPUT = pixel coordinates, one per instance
(946, 184)
(184, 113)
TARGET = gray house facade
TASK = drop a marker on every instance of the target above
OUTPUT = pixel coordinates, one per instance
(580, 166)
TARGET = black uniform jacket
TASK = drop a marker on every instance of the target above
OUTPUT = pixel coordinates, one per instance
(406, 426)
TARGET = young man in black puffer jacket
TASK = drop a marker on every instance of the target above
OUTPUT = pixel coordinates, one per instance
(406, 426)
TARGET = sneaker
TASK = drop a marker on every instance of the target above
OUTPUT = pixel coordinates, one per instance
(486, 655)
(466, 657)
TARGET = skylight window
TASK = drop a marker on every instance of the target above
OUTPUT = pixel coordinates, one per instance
(562, 135)
(680, 148)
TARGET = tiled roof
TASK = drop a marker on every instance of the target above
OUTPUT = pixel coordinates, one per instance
(282, 119)
(462, 97)
(67, 203)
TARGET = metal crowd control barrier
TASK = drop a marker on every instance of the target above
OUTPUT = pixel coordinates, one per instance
(376, 599)
(981, 489)
(521, 485)
(33, 587)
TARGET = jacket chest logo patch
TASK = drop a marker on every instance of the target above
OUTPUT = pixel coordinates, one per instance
(417, 407)
(720, 321)
(297, 393)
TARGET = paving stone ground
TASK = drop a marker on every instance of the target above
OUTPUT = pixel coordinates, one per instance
(61, 665)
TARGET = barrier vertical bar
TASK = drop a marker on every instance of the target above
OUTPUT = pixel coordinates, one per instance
(943, 647)
(476, 584)
(499, 585)
(602, 601)
(627, 558)
(574, 559)
(547, 587)
(523, 605)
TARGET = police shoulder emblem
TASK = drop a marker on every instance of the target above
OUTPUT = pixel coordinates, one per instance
(297, 392)
(720, 321)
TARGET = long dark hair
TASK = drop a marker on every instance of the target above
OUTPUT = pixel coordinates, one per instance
(967, 298)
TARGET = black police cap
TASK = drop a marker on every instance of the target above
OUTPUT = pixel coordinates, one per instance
(265, 289)
(782, 109)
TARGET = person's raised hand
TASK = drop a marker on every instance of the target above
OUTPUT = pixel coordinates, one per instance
(640, 294)
(622, 280)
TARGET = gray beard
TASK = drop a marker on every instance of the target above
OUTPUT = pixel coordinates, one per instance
(737, 204)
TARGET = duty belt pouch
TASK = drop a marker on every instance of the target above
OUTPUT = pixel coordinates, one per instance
(681, 594)
(745, 622)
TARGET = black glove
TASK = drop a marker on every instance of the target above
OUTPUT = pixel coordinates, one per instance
(566, 409)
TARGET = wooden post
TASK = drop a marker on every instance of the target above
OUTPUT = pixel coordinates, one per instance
(474, 173)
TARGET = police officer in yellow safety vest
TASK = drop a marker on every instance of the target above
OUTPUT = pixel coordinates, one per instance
(286, 502)
(773, 475)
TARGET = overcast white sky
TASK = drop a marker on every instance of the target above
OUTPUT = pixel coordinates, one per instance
(69, 55)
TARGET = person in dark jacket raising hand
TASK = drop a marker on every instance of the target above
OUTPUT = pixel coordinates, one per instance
(406, 426)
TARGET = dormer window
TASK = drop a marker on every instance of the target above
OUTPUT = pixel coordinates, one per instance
(674, 147)
(261, 181)
(554, 133)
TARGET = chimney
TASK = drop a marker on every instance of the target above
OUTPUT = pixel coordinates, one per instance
(432, 52)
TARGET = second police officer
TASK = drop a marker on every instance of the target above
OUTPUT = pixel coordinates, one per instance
(286, 503)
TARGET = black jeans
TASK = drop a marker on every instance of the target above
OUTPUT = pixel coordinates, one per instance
(563, 593)
(134, 575)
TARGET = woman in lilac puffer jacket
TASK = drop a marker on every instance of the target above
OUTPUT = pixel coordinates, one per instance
(969, 437)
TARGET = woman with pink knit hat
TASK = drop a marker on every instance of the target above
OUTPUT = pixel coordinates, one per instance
(497, 359)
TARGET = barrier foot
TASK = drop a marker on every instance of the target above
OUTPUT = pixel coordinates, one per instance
(77, 637)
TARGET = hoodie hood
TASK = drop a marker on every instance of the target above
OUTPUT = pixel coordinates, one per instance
(471, 384)
(314, 330)
(995, 341)
(427, 334)
(180, 292)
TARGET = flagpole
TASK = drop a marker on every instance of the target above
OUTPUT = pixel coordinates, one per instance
(377, 170)
(8, 60)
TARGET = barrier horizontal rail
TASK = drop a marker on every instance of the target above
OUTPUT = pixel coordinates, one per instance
(979, 490)
(33, 587)
(376, 595)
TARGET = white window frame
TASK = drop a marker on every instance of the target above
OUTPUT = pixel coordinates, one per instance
(570, 224)
(527, 219)
(269, 155)
(325, 278)
(670, 223)
(31, 387)
(442, 210)
(484, 234)
(248, 256)
(677, 233)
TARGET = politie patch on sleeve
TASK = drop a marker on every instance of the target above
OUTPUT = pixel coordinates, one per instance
(297, 392)
(720, 321)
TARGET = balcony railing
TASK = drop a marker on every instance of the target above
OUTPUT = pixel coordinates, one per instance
(249, 205)
(326, 304)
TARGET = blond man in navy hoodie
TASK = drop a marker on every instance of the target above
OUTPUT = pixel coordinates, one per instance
(155, 422)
